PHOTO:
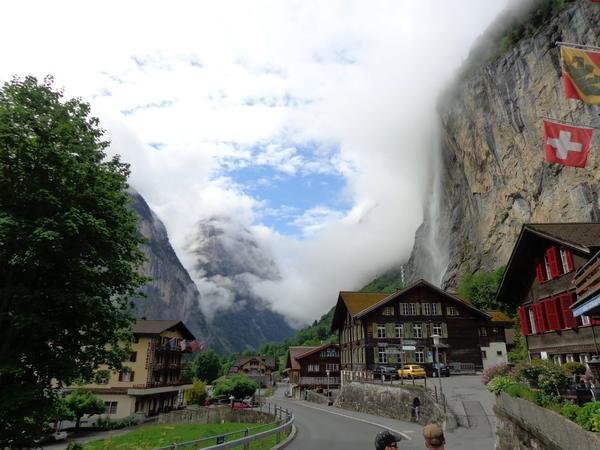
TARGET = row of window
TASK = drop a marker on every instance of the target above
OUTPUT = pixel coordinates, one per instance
(552, 314)
(425, 309)
(330, 352)
(329, 366)
(409, 330)
(556, 262)
(383, 356)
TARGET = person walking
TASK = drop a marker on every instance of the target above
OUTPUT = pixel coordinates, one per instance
(386, 441)
(434, 436)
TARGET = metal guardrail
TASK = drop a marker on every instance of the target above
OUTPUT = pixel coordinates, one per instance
(284, 426)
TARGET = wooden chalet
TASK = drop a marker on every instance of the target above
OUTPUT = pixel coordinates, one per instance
(314, 367)
(259, 368)
(539, 279)
(395, 329)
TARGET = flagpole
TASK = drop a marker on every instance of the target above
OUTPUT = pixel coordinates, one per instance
(564, 122)
(581, 46)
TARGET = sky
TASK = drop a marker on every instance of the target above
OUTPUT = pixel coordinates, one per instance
(306, 125)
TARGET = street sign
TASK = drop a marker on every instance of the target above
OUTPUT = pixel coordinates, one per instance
(409, 347)
(409, 342)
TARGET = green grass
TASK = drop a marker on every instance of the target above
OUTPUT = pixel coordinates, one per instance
(162, 435)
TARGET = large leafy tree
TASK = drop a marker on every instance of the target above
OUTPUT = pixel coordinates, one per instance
(206, 365)
(69, 252)
(82, 402)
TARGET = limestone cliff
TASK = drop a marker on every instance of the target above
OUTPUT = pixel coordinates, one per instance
(492, 173)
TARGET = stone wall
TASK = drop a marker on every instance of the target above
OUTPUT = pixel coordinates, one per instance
(524, 425)
(394, 402)
(216, 415)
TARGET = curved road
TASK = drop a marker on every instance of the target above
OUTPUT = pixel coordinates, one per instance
(328, 428)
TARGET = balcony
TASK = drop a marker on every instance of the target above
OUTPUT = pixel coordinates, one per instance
(587, 288)
(157, 388)
(319, 381)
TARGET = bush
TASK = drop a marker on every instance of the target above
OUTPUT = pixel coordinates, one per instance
(587, 416)
(521, 390)
(493, 371)
(543, 374)
(499, 384)
(570, 410)
(575, 368)
(196, 395)
(239, 386)
(108, 424)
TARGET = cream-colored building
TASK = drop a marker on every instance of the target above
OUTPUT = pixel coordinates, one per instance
(152, 383)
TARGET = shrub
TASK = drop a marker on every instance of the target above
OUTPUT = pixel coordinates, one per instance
(569, 410)
(575, 368)
(543, 374)
(587, 415)
(499, 384)
(596, 421)
(196, 395)
(493, 371)
(239, 386)
(521, 390)
(108, 424)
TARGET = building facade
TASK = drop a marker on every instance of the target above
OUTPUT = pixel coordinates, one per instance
(539, 280)
(395, 329)
(259, 368)
(151, 382)
(314, 367)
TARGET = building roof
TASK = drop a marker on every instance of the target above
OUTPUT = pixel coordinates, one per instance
(268, 361)
(583, 238)
(316, 350)
(293, 353)
(362, 304)
(156, 327)
(499, 317)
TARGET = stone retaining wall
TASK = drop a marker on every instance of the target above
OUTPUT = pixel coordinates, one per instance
(524, 425)
(389, 401)
(216, 415)
(315, 397)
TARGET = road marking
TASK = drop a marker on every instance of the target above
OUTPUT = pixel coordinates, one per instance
(401, 433)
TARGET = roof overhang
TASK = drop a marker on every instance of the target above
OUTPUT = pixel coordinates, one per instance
(589, 307)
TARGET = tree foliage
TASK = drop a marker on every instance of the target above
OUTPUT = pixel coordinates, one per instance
(69, 252)
(206, 365)
(239, 386)
(480, 289)
(196, 395)
(83, 402)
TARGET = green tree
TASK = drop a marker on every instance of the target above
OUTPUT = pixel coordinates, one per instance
(206, 365)
(239, 386)
(69, 252)
(196, 395)
(84, 402)
(480, 288)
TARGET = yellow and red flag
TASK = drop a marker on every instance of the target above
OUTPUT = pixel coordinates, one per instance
(581, 74)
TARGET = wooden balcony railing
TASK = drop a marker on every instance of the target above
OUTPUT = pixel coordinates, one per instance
(587, 278)
(322, 381)
(157, 384)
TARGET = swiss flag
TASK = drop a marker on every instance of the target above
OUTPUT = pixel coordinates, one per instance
(566, 144)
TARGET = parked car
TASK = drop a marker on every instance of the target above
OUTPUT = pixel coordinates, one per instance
(431, 369)
(412, 371)
(241, 405)
(389, 372)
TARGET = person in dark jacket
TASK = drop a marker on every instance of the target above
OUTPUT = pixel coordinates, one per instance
(386, 441)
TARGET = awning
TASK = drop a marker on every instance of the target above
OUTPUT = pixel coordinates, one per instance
(590, 307)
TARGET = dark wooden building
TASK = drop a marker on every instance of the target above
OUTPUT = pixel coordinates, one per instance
(259, 368)
(314, 367)
(539, 279)
(395, 329)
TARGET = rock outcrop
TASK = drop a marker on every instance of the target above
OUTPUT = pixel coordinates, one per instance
(492, 174)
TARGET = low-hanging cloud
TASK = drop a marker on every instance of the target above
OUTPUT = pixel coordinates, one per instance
(193, 93)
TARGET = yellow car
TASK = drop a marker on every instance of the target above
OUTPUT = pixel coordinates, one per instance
(411, 371)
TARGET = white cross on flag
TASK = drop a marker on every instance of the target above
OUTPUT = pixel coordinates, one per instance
(566, 144)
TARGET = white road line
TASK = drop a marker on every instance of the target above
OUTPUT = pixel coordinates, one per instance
(401, 433)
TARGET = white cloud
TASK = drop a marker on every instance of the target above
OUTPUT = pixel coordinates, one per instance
(204, 85)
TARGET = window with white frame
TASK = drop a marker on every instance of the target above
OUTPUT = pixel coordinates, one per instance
(585, 320)
(417, 330)
(110, 407)
(388, 311)
(430, 309)
(382, 355)
(409, 309)
(482, 331)
(557, 359)
(564, 259)
(547, 267)
(570, 358)
(437, 329)
(331, 352)
(452, 310)
(583, 358)
(332, 367)
(531, 321)
(313, 367)
(399, 330)
(126, 376)
(419, 356)
(380, 331)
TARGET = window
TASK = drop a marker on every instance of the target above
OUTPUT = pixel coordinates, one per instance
(452, 310)
(483, 331)
(570, 358)
(313, 367)
(133, 357)
(380, 331)
(547, 267)
(126, 376)
(388, 311)
(417, 330)
(557, 359)
(332, 367)
(399, 330)
(585, 320)
(566, 259)
(583, 358)
(499, 352)
(531, 321)
(483, 354)
(110, 407)
(382, 355)
(409, 309)
(419, 356)
(437, 329)
(430, 309)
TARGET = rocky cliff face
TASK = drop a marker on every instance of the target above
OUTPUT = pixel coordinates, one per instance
(492, 173)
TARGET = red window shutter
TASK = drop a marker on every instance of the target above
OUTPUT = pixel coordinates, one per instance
(566, 299)
(569, 256)
(539, 272)
(553, 262)
(595, 320)
(551, 314)
(538, 313)
(524, 321)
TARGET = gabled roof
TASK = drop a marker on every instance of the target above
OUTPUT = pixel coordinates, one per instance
(372, 301)
(579, 237)
(499, 317)
(316, 350)
(156, 327)
(293, 353)
(266, 360)
(358, 301)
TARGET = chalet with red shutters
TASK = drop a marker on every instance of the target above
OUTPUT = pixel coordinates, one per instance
(540, 277)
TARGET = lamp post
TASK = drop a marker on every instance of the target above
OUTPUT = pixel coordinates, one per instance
(327, 372)
(436, 344)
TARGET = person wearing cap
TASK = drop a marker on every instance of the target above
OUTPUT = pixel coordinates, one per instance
(434, 436)
(386, 441)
